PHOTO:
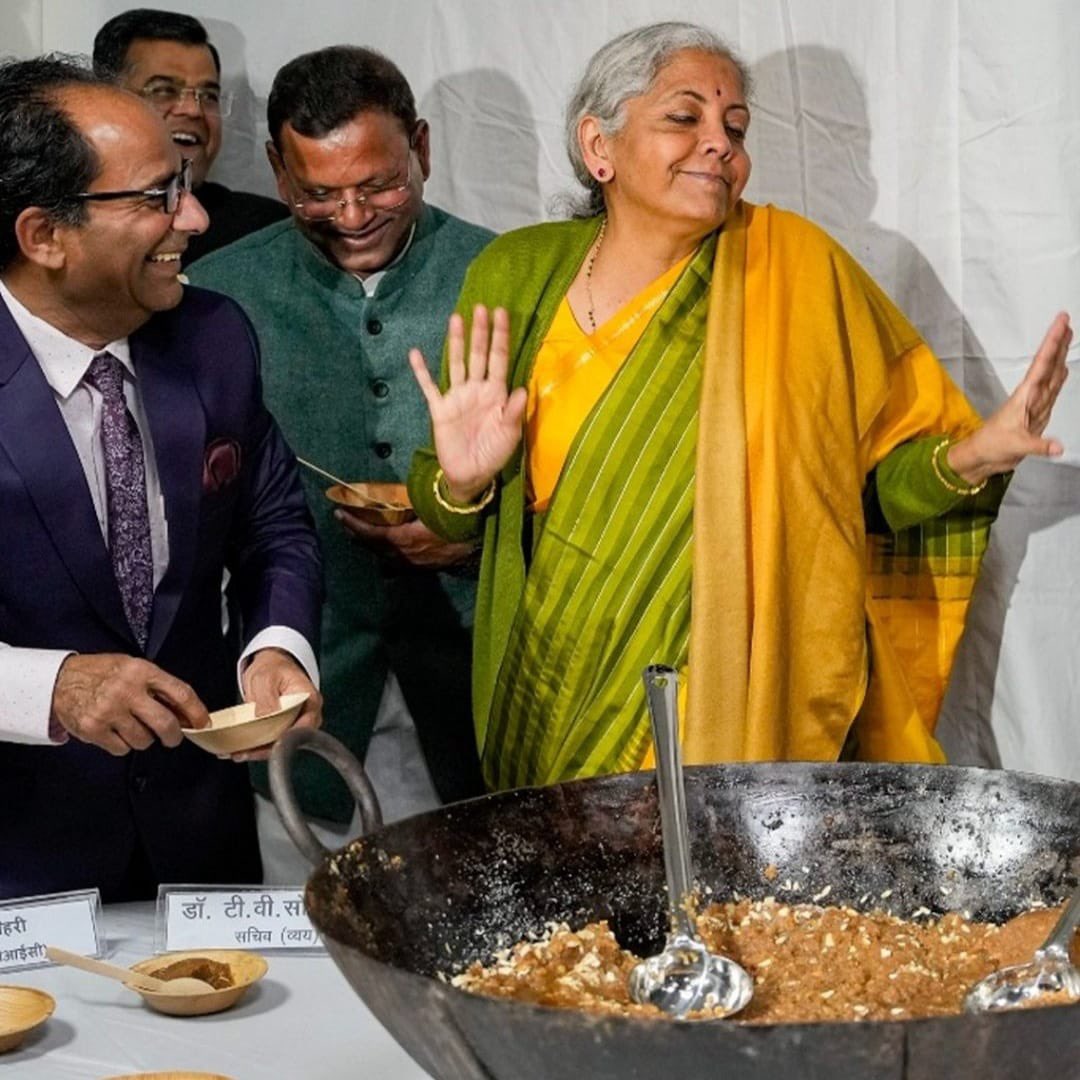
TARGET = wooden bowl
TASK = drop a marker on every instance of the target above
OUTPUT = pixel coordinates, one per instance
(356, 499)
(22, 1008)
(239, 728)
(244, 969)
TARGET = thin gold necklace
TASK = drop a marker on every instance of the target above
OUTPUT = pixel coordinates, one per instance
(588, 273)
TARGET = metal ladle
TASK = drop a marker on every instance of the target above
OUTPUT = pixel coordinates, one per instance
(1050, 971)
(685, 977)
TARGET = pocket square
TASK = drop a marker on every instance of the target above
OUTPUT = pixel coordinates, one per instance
(221, 464)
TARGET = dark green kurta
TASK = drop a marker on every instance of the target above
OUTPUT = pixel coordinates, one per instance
(335, 366)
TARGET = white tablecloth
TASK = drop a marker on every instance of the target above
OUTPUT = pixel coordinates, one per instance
(301, 1022)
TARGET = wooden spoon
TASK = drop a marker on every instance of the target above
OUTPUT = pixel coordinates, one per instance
(125, 975)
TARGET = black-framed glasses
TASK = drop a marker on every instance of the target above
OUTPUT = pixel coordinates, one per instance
(165, 97)
(328, 205)
(170, 195)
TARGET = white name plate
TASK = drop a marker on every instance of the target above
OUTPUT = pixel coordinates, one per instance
(230, 917)
(70, 920)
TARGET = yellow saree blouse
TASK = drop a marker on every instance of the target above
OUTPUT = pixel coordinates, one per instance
(572, 370)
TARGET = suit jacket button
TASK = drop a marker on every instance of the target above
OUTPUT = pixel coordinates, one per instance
(380, 388)
(383, 449)
(139, 783)
(374, 327)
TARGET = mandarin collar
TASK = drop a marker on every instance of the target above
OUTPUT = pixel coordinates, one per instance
(332, 277)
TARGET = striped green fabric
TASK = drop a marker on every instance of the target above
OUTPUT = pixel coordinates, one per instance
(933, 540)
(939, 558)
(568, 698)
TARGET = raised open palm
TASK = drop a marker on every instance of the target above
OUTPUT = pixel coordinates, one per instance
(476, 423)
(1017, 428)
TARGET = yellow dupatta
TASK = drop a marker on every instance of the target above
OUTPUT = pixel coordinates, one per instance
(760, 689)
(811, 377)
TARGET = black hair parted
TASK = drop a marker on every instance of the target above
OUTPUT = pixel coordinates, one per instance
(113, 40)
(320, 91)
(44, 157)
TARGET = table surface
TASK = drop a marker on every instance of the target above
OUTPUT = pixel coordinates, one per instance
(301, 1020)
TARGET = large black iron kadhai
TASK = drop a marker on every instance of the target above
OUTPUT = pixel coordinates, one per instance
(431, 894)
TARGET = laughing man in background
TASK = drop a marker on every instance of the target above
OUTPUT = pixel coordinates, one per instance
(168, 59)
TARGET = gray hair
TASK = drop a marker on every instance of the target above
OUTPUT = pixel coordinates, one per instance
(622, 69)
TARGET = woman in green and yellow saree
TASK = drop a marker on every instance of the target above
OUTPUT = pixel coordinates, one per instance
(715, 401)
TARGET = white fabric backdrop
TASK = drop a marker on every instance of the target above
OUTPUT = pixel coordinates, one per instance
(938, 139)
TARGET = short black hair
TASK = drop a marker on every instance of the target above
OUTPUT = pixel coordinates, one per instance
(44, 157)
(113, 40)
(322, 90)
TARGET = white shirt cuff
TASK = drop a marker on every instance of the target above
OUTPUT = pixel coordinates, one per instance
(27, 681)
(280, 637)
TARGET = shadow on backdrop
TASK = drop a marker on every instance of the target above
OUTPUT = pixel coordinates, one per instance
(241, 162)
(811, 143)
(1041, 496)
(485, 149)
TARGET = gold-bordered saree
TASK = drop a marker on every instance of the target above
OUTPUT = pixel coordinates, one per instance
(709, 512)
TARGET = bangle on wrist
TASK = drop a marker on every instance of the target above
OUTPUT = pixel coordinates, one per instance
(939, 472)
(461, 508)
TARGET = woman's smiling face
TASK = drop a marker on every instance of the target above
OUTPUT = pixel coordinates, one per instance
(681, 155)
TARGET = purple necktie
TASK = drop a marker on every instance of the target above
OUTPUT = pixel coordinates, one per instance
(125, 483)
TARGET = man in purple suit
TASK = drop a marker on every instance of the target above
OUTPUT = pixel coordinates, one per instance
(137, 461)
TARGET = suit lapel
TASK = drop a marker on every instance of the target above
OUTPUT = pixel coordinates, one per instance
(36, 439)
(178, 428)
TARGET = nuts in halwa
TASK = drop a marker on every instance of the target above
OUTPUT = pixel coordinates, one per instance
(809, 962)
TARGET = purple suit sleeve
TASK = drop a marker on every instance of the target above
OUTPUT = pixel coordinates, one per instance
(273, 551)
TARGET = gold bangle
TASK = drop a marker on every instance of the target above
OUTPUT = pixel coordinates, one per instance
(935, 461)
(470, 508)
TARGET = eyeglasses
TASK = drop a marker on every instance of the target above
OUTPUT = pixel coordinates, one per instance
(167, 96)
(328, 205)
(178, 186)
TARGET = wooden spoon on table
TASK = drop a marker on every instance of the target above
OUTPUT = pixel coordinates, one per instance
(132, 978)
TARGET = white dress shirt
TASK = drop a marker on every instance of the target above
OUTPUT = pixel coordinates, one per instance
(27, 676)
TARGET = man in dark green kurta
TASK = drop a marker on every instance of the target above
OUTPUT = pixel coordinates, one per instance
(338, 295)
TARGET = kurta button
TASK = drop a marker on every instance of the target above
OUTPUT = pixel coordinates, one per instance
(380, 389)
(383, 449)
(374, 326)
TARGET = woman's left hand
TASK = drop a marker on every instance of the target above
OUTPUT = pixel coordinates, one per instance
(1016, 429)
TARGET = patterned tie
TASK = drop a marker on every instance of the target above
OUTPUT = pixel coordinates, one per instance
(125, 483)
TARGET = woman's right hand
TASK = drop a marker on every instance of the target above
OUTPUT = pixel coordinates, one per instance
(476, 424)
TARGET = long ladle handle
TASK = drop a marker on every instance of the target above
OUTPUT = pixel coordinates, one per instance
(662, 694)
(99, 967)
(369, 500)
(322, 472)
(1057, 944)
